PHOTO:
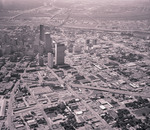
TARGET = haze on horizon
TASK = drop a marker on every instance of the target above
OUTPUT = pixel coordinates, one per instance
(25, 4)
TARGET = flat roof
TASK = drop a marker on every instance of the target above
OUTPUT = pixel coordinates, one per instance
(60, 44)
(47, 33)
(102, 107)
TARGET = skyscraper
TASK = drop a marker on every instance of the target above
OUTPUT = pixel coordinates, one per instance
(1, 52)
(41, 61)
(42, 32)
(59, 54)
(48, 42)
(41, 49)
(50, 60)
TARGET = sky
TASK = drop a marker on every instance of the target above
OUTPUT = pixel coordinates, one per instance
(12, 4)
(16, 3)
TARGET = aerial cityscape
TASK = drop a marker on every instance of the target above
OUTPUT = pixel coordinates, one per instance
(75, 65)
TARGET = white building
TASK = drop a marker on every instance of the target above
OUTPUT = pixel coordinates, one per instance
(50, 60)
(2, 108)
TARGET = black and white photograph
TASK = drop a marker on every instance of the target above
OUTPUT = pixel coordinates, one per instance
(74, 64)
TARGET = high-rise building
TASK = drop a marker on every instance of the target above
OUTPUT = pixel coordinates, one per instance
(48, 43)
(50, 60)
(42, 32)
(59, 54)
(1, 52)
(41, 49)
(41, 61)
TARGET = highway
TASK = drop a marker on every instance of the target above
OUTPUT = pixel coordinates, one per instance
(10, 109)
(27, 11)
(106, 30)
(10, 105)
(56, 14)
(104, 124)
(90, 109)
(65, 20)
(111, 90)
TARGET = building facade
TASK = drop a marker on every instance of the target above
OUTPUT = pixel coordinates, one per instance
(59, 54)
(42, 32)
(48, 43)
(50, 60)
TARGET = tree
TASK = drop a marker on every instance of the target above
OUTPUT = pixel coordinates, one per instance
(61, 107)
(113, 94)
(143, 114)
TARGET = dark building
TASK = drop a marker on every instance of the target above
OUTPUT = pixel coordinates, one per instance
(42, 32)
(48, 43)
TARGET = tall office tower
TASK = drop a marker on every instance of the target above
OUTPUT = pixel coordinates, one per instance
(48, 42)
(1, 52)
(42, 32)
(41, 61)
(41, 49)
(50, 60)
(59, 54)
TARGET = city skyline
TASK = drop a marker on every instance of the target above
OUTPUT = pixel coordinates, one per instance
(75, 65)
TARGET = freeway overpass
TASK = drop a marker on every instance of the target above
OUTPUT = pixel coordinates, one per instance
(26, 11)
(111, 90)
(104, 30)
